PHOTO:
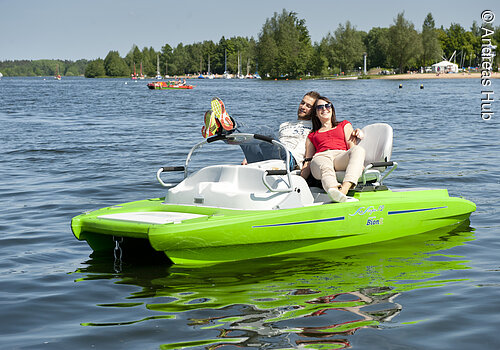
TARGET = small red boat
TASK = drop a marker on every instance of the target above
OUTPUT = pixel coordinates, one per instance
(160, 85)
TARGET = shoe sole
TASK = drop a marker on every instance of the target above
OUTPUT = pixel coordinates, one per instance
(221, 114)
(211, 124)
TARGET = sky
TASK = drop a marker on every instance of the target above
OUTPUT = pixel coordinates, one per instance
(76, 29)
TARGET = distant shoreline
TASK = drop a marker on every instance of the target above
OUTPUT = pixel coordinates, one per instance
(414, 76)
(418, 76)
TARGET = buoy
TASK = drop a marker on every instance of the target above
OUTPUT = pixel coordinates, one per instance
(421, 86)
(400, 86)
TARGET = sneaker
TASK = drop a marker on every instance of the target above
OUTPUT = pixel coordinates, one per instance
(220, 111)
(336, 195)
(211, 124)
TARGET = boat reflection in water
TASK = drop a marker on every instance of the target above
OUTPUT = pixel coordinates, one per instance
(311, 300)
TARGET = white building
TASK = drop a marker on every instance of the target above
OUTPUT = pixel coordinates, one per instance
(445, 67)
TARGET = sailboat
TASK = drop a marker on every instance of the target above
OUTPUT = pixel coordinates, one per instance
(134, 75)
(248, 76)
(141, 76)
(240, 76)
(226, 74)
(209, 75)
(256, 75)
(158, 75)
(201, 74)
(58, 76)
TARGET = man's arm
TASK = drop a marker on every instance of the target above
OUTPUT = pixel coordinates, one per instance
(310, 150)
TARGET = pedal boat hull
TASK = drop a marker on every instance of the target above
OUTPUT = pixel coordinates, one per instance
(194, 235)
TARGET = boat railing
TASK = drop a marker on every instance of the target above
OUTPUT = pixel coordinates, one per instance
(235, 139)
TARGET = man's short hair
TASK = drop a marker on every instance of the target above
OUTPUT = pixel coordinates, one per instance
(313, 94)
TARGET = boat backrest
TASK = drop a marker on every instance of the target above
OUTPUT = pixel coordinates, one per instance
(377, 142)
(240, 187)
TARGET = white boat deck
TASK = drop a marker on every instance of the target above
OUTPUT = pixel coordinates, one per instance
(154, 217)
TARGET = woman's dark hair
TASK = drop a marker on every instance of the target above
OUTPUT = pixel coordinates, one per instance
(315, 120)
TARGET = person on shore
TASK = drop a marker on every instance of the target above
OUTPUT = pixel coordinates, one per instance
(330, 146)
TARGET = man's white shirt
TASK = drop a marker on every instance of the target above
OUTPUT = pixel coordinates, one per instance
(293, 135)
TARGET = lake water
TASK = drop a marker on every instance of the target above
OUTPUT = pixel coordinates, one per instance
(78, 144)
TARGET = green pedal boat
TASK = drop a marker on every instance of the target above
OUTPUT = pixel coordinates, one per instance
(224, 213)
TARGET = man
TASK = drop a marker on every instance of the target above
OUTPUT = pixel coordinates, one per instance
(291, 134)
(294, 134)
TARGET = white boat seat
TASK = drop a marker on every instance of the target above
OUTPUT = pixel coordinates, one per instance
(240, 187)
(378, 147)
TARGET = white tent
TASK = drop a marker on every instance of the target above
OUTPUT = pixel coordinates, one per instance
(445, 67)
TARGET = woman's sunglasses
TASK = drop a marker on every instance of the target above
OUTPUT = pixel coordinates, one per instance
(321, 107)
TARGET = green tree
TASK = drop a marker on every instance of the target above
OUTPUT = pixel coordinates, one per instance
(180, 59)
(377, 45)
(319, 63)
(133, 59)
(456, 41)
(76, 68)
(284, 45)
(348, 47)
(165, 58)
(95, 69)
(431, 48)
(115, 66)
(404, 43)
(496, 42)
(149, 61)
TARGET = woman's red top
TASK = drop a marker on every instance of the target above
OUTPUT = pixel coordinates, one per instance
(332, 139)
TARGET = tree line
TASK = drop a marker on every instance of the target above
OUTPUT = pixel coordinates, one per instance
(284, 48)
(43, 67)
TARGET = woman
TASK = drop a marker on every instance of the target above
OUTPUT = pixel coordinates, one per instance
(331, 146)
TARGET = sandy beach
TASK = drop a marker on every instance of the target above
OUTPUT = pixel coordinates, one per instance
(418, 76)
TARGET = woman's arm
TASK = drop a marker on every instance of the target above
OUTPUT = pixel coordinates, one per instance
(349, 139)
(310, 150)
(352, 136)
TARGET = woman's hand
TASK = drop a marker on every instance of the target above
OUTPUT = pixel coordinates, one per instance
(358, 133)
(352, 136)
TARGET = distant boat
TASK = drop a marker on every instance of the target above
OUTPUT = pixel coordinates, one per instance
(248, 76)
(58, 76)
(134, 75)
(141, 76)
(346, 78)
(168, 85)
(158, 75)
(209, 74)
(239, 75)
(226, 75)
(1, 75)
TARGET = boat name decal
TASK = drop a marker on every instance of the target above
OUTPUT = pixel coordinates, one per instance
(369, 210)
(374, 221)
(303, 222)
